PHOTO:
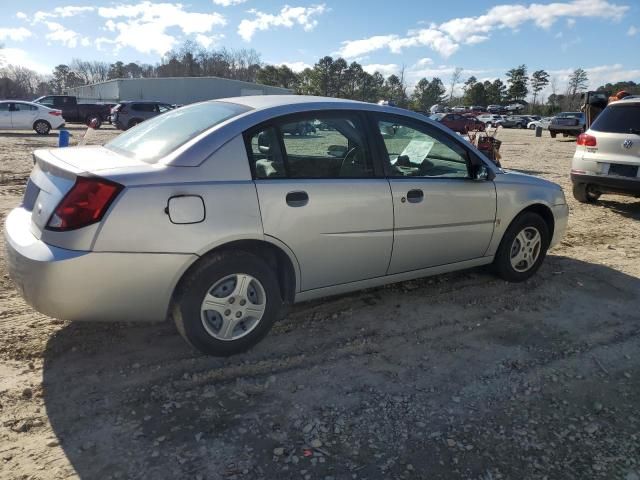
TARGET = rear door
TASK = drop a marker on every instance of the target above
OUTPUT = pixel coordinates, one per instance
(442, 215)
(322, 196)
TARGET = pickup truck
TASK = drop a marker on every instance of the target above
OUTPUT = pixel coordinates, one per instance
(74, 112)
(568, 124)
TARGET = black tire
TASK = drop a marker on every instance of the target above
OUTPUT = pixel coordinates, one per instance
(502, 261)
(42, 127)
(584, 194)
(186, 306)
(93, 118)
(518, 125)
(553, 134)
(532, 127)
(133, 123)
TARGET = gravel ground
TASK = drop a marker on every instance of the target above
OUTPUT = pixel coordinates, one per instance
(457, 376)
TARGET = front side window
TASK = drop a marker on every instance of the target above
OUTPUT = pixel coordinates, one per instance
(411, 152)
(4, 107)
(326, 146)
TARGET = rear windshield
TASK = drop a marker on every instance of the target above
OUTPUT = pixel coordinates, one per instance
(618, 119)
(157, 137)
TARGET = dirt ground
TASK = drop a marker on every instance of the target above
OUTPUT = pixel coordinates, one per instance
(457, 376)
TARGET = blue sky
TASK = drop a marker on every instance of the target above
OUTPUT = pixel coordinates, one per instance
(428, 38)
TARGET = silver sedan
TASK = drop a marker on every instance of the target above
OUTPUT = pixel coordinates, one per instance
(220, 214)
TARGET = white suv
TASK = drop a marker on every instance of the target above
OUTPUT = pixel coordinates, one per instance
(607, 158)
(490, 119)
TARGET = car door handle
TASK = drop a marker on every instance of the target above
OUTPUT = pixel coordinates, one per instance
(297, 199)
(415, 196)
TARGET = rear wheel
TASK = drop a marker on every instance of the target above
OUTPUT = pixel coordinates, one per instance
(522, 248)
(532, 127)
(585, 193)
(133, 123)
(42, 127)
(227, 303)
(553, 134)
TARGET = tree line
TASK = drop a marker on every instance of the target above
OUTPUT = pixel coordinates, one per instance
(327, 77)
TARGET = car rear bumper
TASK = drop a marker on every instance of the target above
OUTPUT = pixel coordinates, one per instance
(574, 131)
(89, 286)
(609, 183)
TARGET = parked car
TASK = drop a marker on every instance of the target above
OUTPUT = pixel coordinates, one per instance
(542, 122)
(19, 115)
(490, 119)
(300, 128)
(74, 112)
(458, 122)
(568, 124)
(128, 114)
(513, 121)
(495, 109)
(607, 158)
(215, 218)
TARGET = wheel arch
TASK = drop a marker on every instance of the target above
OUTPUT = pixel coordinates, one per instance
(277, 256)
(539, 208)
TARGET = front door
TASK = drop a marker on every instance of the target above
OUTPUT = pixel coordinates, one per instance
(5, 115)
(442, 215)
(320, 195)
(23, 115)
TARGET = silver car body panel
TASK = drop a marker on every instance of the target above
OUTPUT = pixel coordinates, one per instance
(72, 284)
(343, 234)
(426, 234)
(342, 240)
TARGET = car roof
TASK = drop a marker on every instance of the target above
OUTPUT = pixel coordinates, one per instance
(21, 101)
(143, 101)
(259, 102)
(632, 99)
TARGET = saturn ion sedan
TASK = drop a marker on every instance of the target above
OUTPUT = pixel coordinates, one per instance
(215, 215)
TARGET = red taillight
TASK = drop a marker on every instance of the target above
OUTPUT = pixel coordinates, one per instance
(55, 113)
(84, 204)
(587, 140)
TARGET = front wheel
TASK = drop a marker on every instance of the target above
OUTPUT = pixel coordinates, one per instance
(553, 134)
(532, 127)
(227, 303)
(42, 127)
(522, 248)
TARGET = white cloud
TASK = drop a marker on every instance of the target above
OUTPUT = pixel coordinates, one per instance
(61, 12)
(357, 48)
(21, 15)
(144, 26)
(297, 66)
(447, 37)
(288, 17)
(17, 56)
(209, 40)
(15, 34)
(228, 3)
(633, 31)
(598, 75)
(385, 69)
(68, 38)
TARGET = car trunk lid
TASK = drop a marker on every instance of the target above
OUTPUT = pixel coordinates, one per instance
(55, 173)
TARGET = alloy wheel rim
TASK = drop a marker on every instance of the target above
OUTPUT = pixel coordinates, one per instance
(525, 249)
(41, 127)
(233, 307)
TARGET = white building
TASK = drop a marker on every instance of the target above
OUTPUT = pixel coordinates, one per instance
(175, 90)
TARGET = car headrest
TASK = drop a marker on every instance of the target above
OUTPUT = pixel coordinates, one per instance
(265, 140)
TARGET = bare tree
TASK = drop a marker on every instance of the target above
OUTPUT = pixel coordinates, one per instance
(455, 79)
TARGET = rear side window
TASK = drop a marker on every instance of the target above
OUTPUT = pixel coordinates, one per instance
(143, 107)
(618, 119)
(162, 134)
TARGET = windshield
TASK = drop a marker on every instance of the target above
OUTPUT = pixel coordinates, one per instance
(161, 135)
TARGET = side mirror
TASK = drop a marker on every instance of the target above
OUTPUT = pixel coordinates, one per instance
(185, 209)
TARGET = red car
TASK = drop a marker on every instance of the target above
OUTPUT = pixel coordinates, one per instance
(458, 122)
